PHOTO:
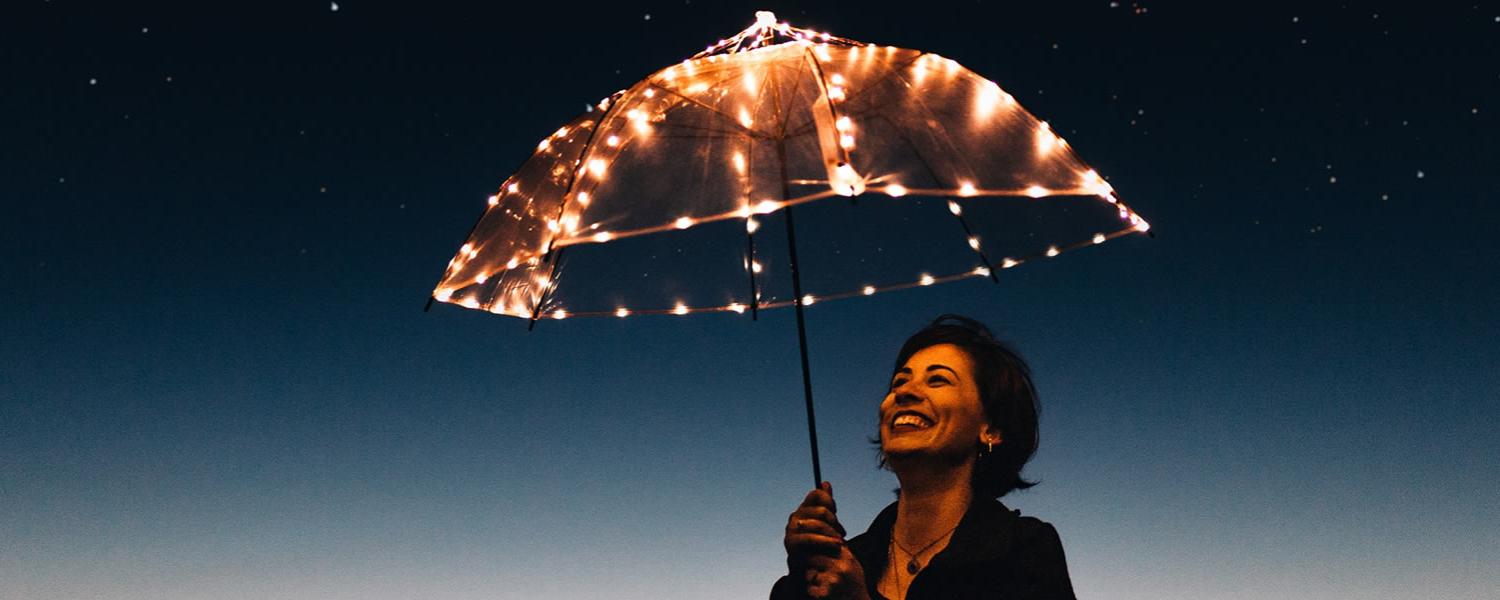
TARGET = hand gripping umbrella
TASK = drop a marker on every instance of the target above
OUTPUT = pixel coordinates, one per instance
(664, 188)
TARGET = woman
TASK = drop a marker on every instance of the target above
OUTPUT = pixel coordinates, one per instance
(959, 423)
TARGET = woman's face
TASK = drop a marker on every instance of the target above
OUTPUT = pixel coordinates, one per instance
(933, 407)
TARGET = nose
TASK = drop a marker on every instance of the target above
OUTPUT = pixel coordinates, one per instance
(904, 395)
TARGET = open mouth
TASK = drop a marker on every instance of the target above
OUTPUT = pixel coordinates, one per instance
(910, 421)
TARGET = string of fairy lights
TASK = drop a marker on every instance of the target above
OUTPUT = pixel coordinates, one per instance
(523, 284)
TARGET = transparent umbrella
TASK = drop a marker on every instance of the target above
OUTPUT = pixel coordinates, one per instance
(662, 199)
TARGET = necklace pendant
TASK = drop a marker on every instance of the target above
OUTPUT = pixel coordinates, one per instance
(912, 567)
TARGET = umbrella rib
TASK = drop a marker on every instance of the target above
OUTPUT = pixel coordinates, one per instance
(694, 102)
(892, 72)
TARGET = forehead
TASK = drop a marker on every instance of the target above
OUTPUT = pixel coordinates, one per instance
(948, 355)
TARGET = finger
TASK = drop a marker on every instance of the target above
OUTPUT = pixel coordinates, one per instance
(820, 514)
(818, 497)
(802, 546)
(815, 526)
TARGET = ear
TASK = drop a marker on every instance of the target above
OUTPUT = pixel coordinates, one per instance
(989, 434)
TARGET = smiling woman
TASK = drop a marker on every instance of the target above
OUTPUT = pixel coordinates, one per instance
(957, 427)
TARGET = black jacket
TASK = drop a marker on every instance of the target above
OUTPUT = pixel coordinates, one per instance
(995, 553)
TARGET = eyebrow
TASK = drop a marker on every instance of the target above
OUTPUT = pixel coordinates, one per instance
(907, 370)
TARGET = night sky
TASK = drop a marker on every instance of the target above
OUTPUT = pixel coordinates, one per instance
(221, 222)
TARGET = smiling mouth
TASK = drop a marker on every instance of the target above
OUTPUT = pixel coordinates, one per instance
(910, 421)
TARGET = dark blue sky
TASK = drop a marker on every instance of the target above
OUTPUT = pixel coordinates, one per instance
(220, 225)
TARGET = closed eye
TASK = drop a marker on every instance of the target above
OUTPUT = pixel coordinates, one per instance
(897, 383)
(937, 380)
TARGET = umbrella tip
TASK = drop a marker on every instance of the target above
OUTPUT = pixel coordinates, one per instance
(765, 18)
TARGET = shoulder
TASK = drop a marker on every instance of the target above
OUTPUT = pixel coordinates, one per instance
(1036, 542)
(1036, 550)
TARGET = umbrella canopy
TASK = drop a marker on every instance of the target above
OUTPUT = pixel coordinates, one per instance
(770, 118)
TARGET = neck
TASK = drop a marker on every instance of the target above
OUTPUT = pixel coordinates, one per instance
(933, 500)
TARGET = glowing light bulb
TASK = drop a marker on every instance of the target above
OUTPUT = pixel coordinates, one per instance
(766, 207)
(1008, 263)
(553, 226)
(869, 290)
(466, 248)
(1045, 139)
(683, 222)
(836, 93)
(847, 182)
(603, 236)
(745, 118)
(511, 264)
(974, 242)
(808, 300)
(966, 189)
(837, 79)
(954, 208)
(751, 225)
(680, 309)
(559, 314)
(755, 266)
(597, 166)
(622, 312)
(649, 93)
(843, 124)
(443, 295)
(1099, 238)
(514, 187)
(583, 198)
(765, 18)
(543, 145)
(494, 200)
(612, 141)
(561, 131)
(982, 271)
(846, 142)
(927, 279)
(481, 278)
(895, 190)
(1052, 251)
(1037, 191)
(739, 162)
(737, 307)
(1142, 226)
(469, 303)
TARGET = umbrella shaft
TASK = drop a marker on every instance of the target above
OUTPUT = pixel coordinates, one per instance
(812, 425)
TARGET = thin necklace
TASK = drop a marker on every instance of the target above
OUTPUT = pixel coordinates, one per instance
(912, 566)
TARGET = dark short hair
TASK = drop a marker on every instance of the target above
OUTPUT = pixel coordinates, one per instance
(1005, 390)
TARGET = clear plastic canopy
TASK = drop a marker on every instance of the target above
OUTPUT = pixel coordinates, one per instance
(662, 200)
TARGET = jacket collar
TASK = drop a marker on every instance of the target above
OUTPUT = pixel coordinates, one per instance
(982, 534)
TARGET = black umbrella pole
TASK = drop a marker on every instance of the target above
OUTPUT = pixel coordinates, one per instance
(812, 423)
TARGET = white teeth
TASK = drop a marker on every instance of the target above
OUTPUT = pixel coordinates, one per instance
(910, 419)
